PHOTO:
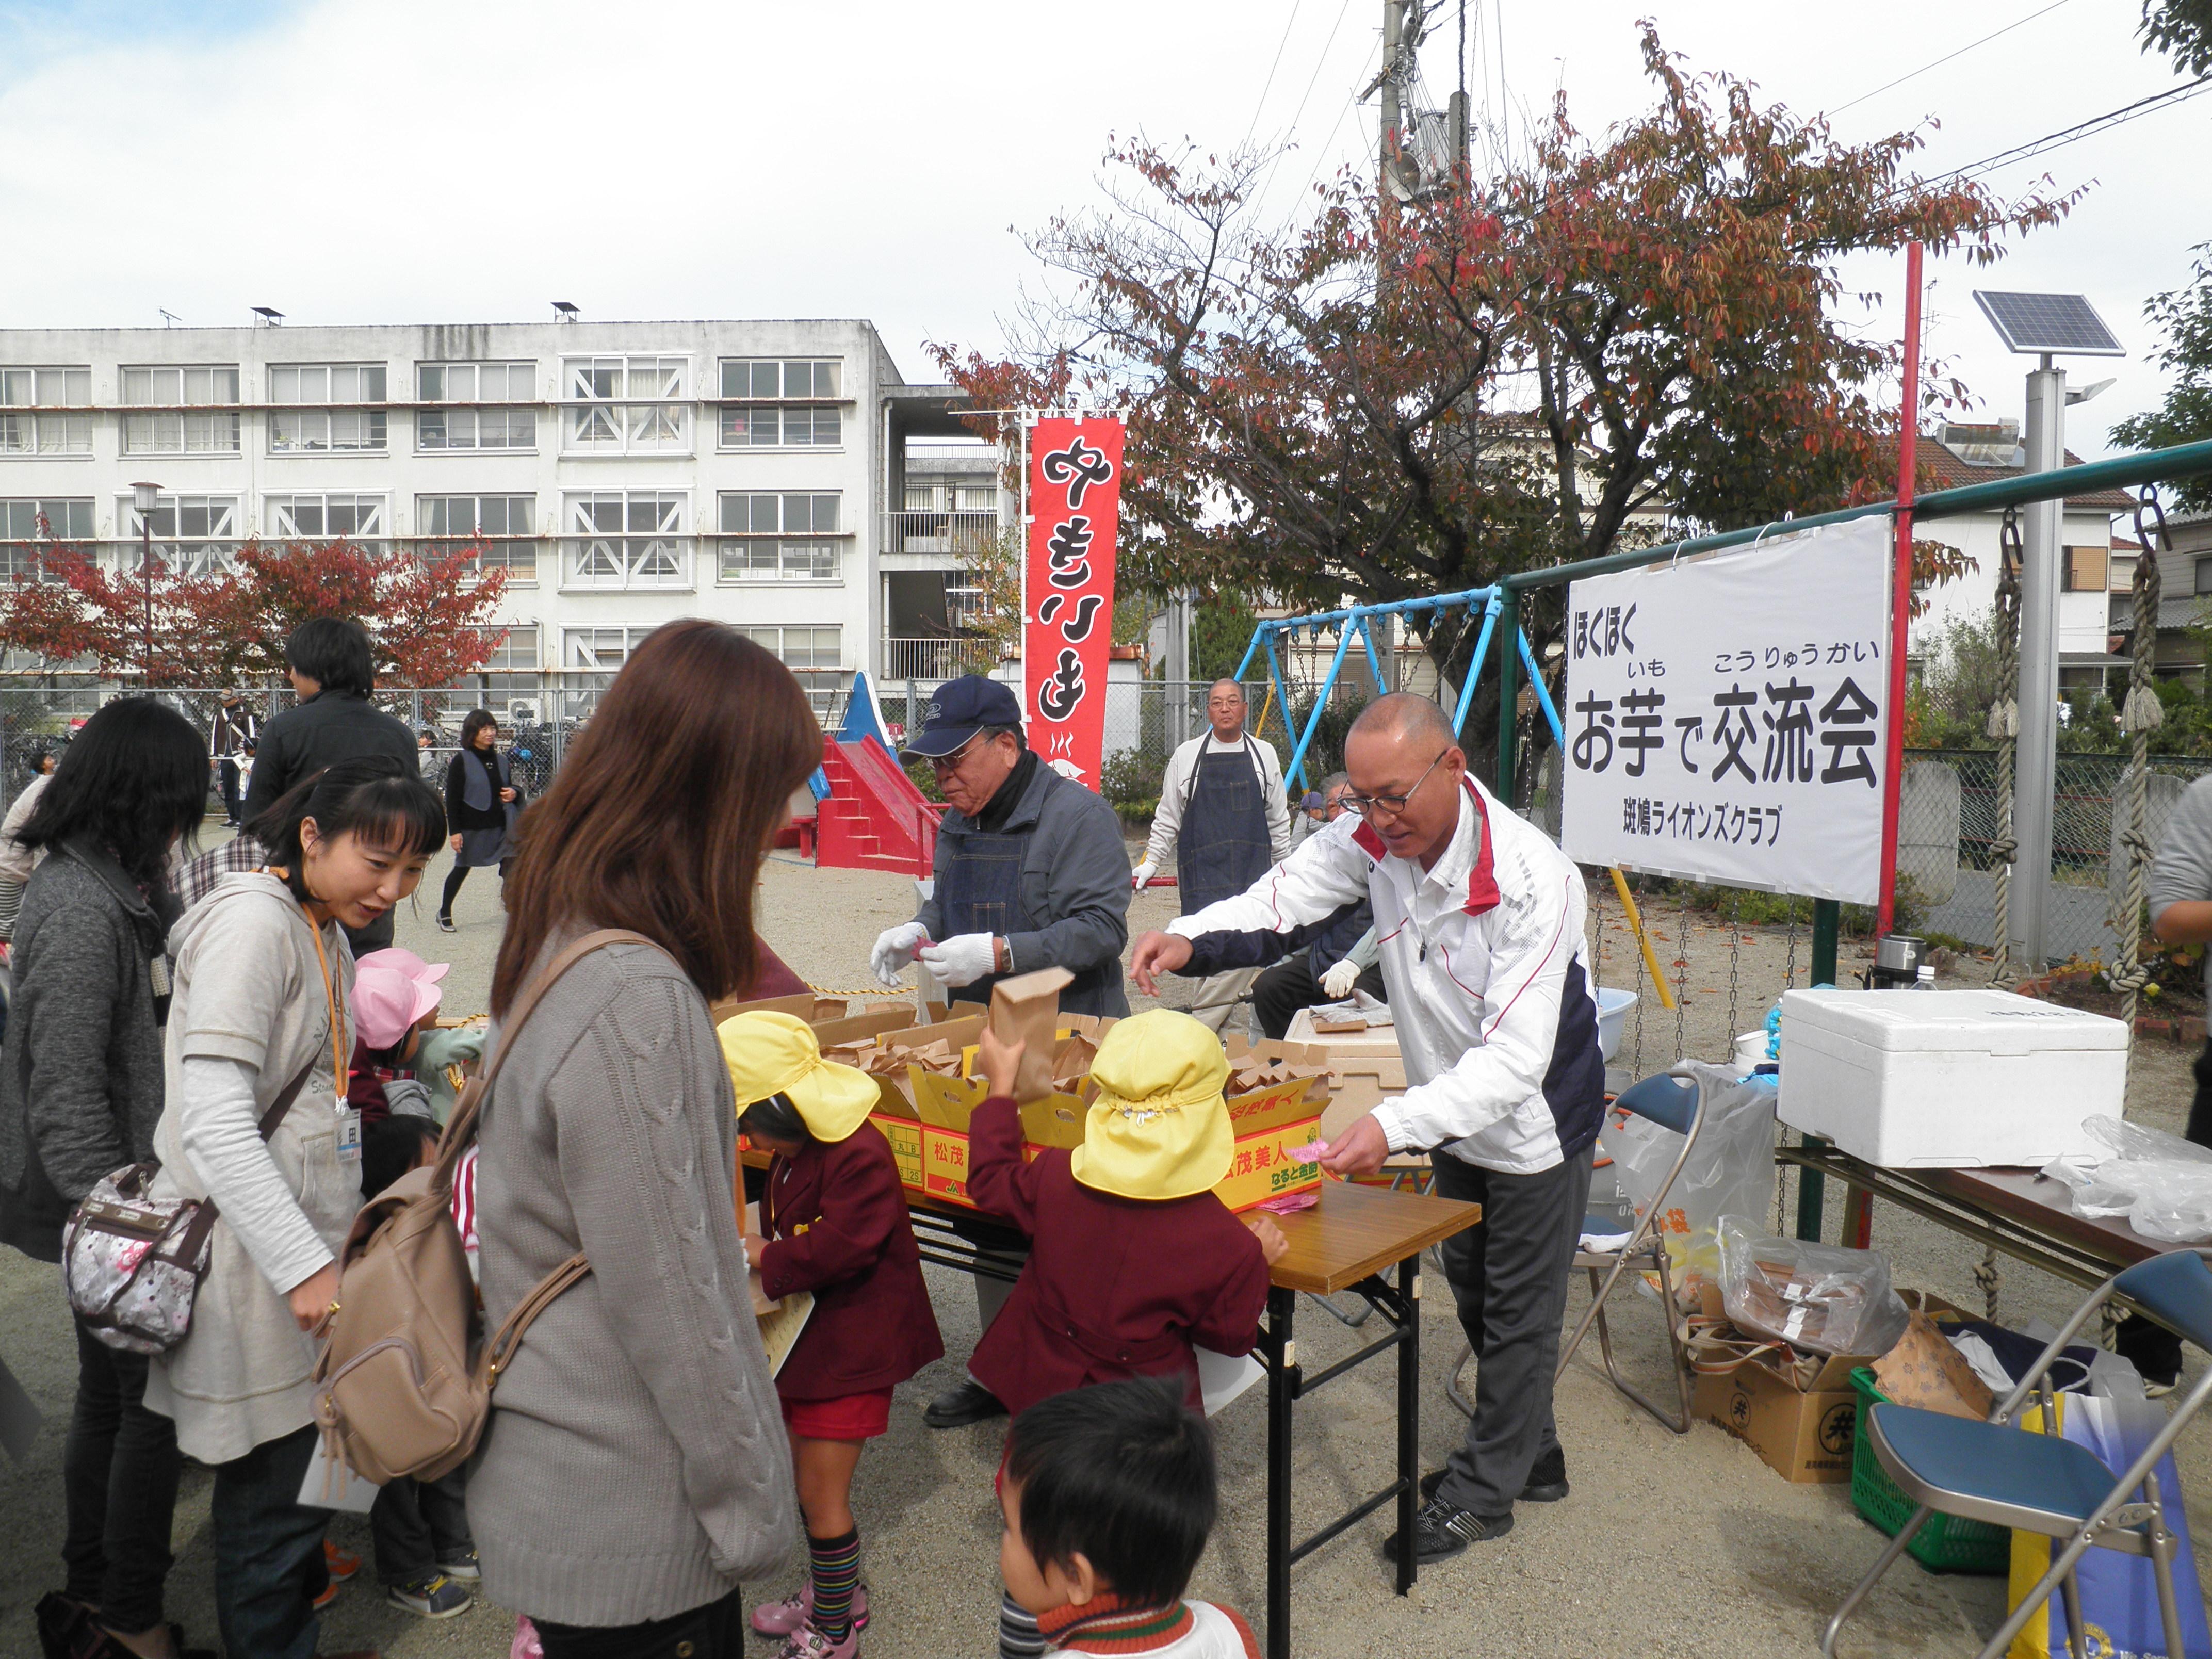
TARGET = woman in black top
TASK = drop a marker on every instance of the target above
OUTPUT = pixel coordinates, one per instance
(481, 802)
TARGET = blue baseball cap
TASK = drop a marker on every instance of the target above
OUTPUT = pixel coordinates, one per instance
(960, 709)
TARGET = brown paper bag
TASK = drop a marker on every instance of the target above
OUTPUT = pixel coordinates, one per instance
(1026, 1009)
(1925, 1371)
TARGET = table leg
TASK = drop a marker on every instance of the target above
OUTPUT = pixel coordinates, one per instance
(1811, 1194)
(1282, 1359)
(1409, 1418)
(1859, 1218)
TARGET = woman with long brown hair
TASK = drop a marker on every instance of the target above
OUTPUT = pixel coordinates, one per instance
(635, 1469)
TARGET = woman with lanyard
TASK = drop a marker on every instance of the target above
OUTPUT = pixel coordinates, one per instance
(257, 1119)
(481, 803)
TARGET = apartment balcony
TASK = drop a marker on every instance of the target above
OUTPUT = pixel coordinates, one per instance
(936, 660)
(951, 535)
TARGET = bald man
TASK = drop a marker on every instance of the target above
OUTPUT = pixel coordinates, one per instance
(1480, 921)
(1222, 800)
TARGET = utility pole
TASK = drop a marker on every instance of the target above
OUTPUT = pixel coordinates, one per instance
(2037, 777)
(1388, 176)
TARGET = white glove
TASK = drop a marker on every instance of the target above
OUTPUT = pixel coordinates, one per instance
(1339, 978)
(1140, 875)
(961, 960)
(895, 950)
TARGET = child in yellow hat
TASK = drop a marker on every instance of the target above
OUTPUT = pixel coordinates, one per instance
(833, 1222)
(1133, 1259)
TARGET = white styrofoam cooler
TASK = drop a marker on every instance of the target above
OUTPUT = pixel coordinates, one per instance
(1947, 1079)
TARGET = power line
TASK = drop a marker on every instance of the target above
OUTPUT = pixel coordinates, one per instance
(2080, 131)
(1947, 57)
(1321, 156)
(1311, 82)
(1277, 64)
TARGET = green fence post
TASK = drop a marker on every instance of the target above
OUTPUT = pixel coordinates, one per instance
(1812, 1194)
(1508, 635)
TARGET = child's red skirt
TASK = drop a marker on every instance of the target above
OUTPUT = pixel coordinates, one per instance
(850, 1417)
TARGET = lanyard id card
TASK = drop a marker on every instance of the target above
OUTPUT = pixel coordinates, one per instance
(348, 1137)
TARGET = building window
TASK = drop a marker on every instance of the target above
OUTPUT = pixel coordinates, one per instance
(187, 412)
(601, 647)
(33, 412)
(616, 407)
(756, 427)
(626, 539)
(193, 535)
(2205, 576)
(501, 526)
(318, 518)
(26, 524)
(808, 648)
(776, 537)
(325, 431)
(517, 654)
(475, 429)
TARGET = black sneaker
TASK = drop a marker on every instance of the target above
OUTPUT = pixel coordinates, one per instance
(1442, 1529)
(431, 1595)
(969, 1401)
(1547, 1481)
(446, 925)
(461, 1565)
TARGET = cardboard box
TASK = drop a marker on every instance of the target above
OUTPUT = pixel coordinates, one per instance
(928, 1134)
(1801, 1420)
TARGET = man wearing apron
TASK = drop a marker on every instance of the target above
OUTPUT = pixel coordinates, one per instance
(1222, 800)
(1030, 874)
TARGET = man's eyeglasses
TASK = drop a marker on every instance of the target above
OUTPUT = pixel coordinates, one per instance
(941, 764)
(1393, 806)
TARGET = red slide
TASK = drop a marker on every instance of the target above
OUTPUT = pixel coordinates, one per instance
(874, 819)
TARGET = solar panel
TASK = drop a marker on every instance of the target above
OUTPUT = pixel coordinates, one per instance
(2054, 323)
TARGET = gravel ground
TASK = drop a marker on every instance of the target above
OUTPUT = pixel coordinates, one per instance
(1668, 1545)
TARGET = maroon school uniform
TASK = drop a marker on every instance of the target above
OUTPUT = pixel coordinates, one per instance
(837, 1225)
(1116, 1288)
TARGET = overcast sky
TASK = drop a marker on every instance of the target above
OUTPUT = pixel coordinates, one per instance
(399, 161)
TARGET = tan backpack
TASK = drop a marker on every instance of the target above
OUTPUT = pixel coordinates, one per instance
(398, 1392)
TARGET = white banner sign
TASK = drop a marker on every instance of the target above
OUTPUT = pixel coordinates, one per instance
(1726, 717)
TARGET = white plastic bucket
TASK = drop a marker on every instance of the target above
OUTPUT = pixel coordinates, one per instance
(1613, 1008)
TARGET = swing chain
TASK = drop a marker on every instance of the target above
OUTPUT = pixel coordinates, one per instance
(1636, 1048)
(1682, 973)
(1736, 959)
(1790, 964)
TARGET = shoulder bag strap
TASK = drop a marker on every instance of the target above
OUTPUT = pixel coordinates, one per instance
(205, 1213)
(509, 1336)
(283, 1103)
(461, 1127)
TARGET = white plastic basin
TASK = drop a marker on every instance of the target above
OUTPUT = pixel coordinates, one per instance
(1613, 1008)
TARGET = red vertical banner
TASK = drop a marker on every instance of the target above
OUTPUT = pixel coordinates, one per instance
(1073, 511)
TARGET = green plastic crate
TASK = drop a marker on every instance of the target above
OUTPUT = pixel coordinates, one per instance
(1947, 1543)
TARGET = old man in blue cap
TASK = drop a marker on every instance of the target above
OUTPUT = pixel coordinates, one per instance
(1031, 874)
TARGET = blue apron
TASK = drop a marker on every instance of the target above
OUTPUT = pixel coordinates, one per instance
(1223, 847)
(979, 891)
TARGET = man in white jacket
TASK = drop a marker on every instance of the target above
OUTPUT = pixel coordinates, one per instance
(1480, 921)
(1222, 799)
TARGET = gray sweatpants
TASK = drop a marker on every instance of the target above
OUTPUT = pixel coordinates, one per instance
(1508, 1276)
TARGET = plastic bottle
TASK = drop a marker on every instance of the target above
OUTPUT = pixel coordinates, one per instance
(1925, 980)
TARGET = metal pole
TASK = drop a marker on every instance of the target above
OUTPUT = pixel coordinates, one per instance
(1812, 1194)
(1900, 591)
(146, 585)
(2037, 774)
(1509, 638)
(1392, 136)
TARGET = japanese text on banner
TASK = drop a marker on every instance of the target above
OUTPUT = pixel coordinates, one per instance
(1725, 719)
(1073, 512)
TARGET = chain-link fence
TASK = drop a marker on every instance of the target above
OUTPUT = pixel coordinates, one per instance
(1949, 819)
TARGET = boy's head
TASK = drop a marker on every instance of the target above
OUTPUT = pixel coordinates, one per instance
(1107, 1490)
(390, 1146)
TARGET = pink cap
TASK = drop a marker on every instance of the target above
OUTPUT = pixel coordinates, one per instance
(391, 991)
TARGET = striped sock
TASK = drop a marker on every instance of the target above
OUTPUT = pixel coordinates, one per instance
(836, 1564)
(1019, 1636)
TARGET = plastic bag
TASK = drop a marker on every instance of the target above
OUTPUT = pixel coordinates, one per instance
(1729, 1172)
(2160, 1183)
(1821, 1296)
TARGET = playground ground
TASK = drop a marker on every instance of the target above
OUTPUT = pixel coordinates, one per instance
(1668, 1545)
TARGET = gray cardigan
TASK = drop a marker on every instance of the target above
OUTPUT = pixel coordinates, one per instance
(80, 1071)
(635, 1465)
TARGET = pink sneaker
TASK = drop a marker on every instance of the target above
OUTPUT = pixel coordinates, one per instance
(808, 1643)
(784, 1617)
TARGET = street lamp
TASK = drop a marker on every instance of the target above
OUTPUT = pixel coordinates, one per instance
(143, 497)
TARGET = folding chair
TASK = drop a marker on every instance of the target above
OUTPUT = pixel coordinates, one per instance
(2042, 1483)
(1671, 1100)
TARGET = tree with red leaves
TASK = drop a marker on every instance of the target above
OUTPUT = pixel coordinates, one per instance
(425, 612)
(1533, 368)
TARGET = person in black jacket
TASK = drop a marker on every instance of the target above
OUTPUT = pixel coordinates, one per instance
(481, 803)
(333, 672)
(80, 1090)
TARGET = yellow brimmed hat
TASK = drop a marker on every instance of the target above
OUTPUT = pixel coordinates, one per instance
(1158, 1127)
(772, 1053)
